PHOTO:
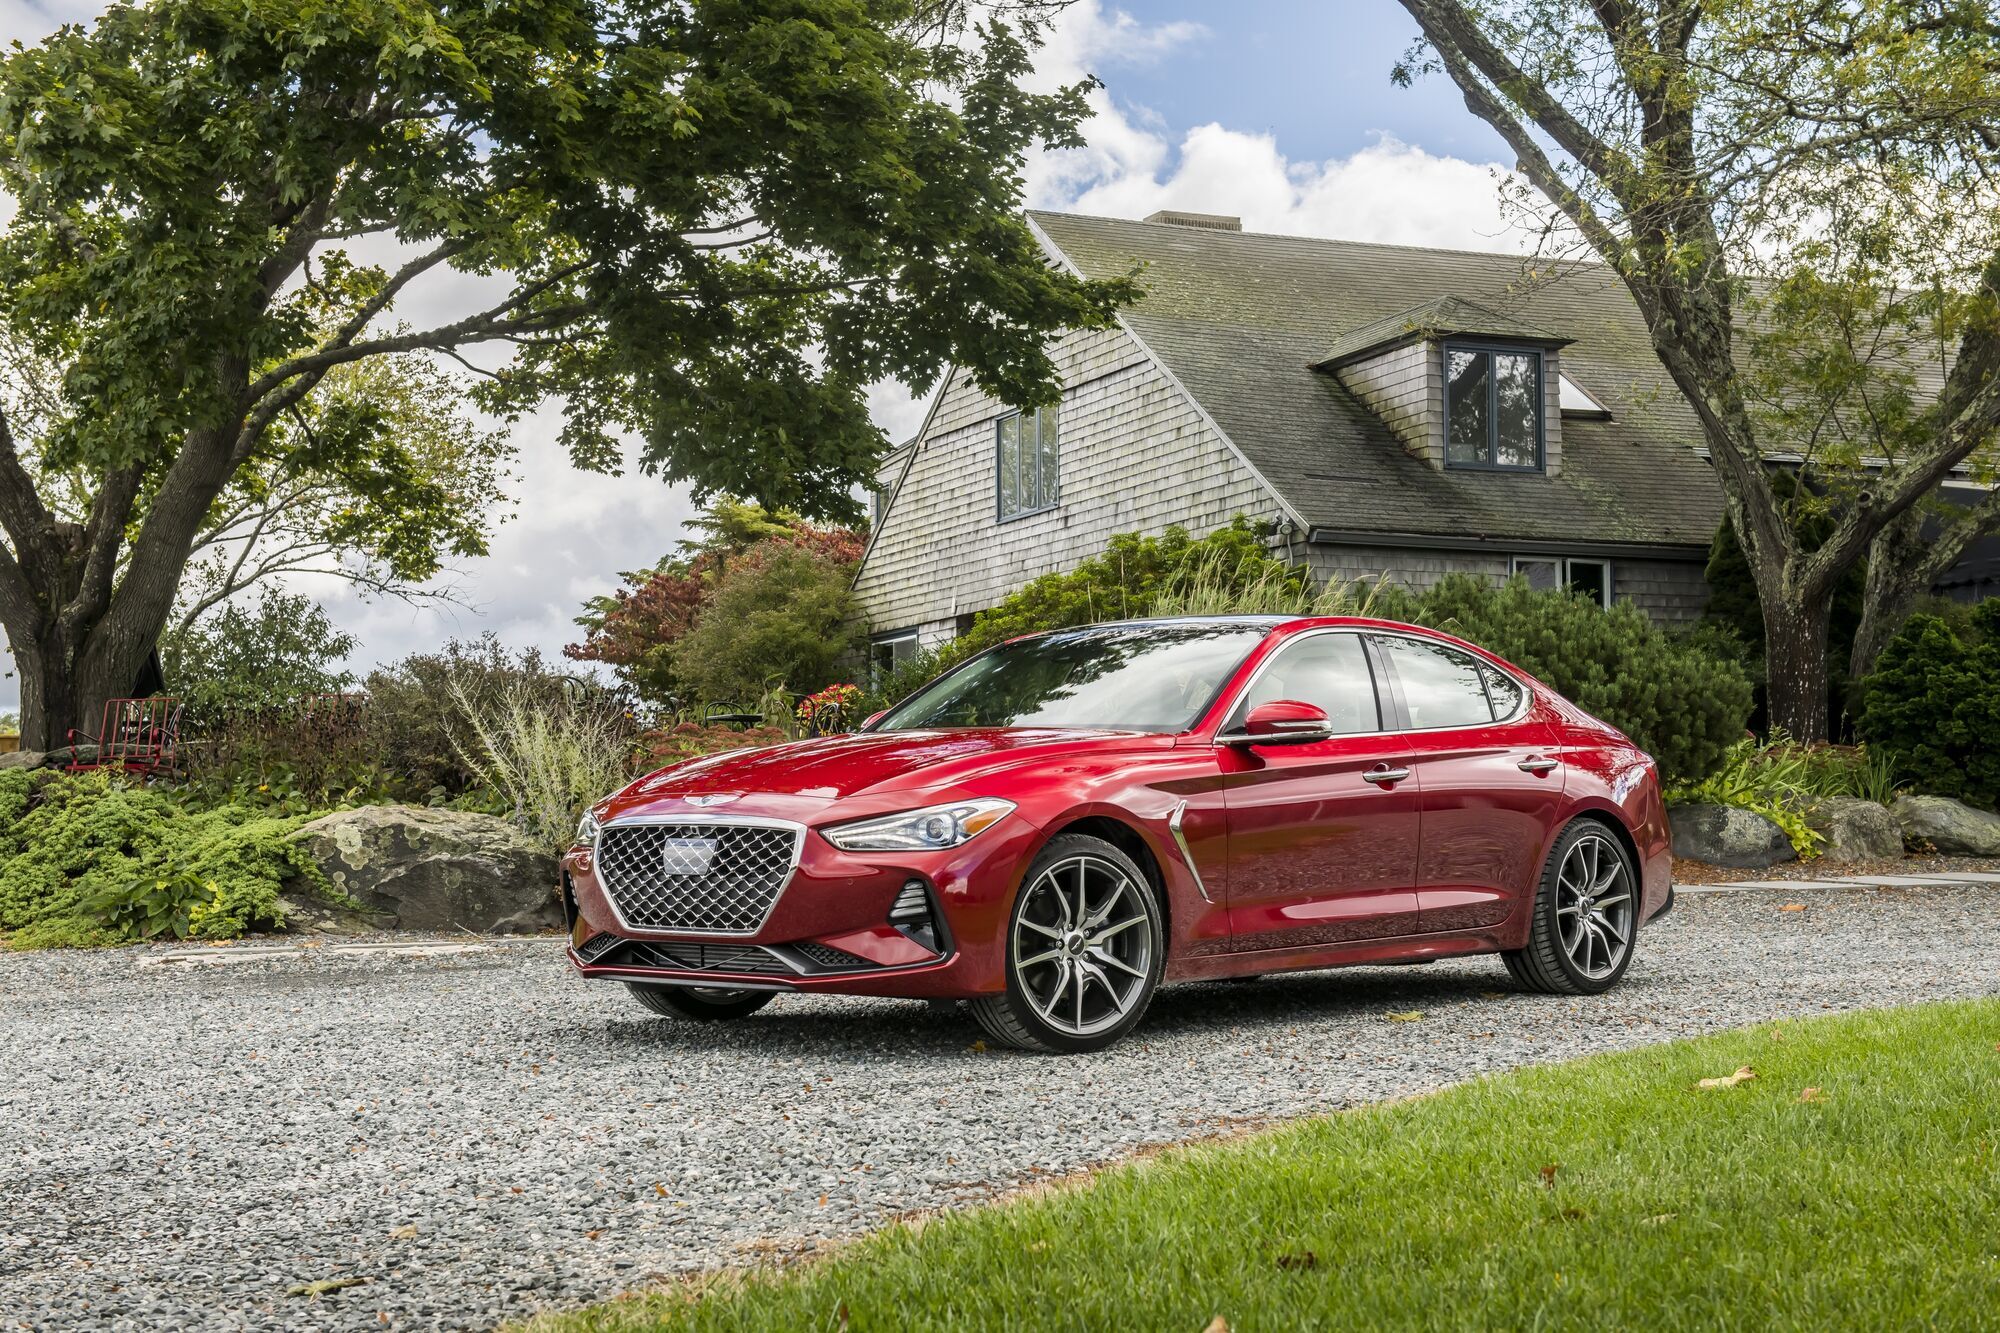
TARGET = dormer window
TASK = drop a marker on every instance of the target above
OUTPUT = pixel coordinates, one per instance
(1493, 407)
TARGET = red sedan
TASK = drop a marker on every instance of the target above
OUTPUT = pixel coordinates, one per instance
(1064, 822)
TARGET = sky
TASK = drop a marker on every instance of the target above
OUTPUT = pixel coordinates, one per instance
(1280, 112)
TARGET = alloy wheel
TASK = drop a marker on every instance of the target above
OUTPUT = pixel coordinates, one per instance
(1594, 906)
(1082, 945)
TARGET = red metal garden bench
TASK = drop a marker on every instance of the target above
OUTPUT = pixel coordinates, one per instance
(139, 735)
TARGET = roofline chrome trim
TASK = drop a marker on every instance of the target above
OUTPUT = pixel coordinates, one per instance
(1187, 857)
(797, 830)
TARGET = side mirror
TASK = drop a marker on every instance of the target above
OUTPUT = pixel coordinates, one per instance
(1283, 722)
(873, 718)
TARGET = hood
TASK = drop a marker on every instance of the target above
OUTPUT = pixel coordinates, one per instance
(836, 766)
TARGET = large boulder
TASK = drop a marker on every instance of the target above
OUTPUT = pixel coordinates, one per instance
(1953, 827)
(423, 869)
(23, 759)
(1855, 830)
(1722, 835)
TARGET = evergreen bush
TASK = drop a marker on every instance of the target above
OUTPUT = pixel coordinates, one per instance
(1933, 704)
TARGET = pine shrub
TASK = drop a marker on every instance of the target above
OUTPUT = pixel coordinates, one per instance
(1933, 704)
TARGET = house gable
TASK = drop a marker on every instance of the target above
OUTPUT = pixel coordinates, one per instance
(1135, 454)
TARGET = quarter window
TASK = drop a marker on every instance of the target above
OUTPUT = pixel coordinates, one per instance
(1025, 462)
(1493, 408)
(1442, 687)
(1329, 671)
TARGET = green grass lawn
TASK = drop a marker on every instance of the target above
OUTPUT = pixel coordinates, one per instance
(1609, 1192)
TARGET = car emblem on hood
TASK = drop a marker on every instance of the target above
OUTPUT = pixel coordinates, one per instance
(720, 798)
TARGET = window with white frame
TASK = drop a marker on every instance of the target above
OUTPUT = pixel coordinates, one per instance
(1590, 576)
(1025, 473)
(886, 652)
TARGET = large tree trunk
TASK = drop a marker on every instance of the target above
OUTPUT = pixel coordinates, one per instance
(1899, 574)
(64, 686)
(1795, 637)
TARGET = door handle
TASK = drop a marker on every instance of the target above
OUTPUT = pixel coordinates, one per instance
(1382, 775)
(1535, 763)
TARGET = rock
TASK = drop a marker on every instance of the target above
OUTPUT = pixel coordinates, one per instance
(1856, 830)
(438, 870)
(1953, 827)
(23, 759)
(1722, 835)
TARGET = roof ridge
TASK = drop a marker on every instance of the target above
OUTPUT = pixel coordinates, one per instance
(1211, 233)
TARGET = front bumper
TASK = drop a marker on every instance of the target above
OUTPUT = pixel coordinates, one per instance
(830, 929)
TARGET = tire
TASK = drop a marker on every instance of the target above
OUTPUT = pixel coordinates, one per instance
(1586, 916)
(1077, 990)
(700, 1004)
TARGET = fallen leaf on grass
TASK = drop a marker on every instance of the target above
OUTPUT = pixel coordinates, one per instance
(1549, 1175)
(1659, 1219)
(1303, 1259)
(1743, 1075)
(1792, 907)
(404, 1233)
(977, 1048)
(1217, 1325)
(1413, 1016)
(1812, 1095)
(323, 1286)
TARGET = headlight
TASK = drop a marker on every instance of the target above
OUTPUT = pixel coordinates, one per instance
(925, 830)
(586, 828)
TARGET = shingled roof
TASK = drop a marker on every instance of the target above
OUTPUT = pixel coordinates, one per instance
(1245, 321)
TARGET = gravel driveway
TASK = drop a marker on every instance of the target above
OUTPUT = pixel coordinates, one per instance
(479, 1135)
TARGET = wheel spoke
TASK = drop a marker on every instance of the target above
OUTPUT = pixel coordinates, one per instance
(1113, 960)
(1609, 927)
(1569, 909)
(1124, 925)
(1041, 929)
(1041, 957)
(1056, 991)
(1613, 900)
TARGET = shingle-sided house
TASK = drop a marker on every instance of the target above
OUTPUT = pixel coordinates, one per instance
(1390, 409)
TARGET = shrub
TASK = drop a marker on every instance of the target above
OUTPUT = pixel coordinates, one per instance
(10, 724)
(419, 733)
(92, 859)
(315, 754)
(1676, 696)
(548, 756)
(1933, 704)
(782, 614)
(239, 660)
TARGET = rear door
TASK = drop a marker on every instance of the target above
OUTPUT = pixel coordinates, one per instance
(1322, 836)
(1490, 784)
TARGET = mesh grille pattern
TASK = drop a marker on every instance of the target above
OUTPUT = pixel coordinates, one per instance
(830, 958)
(597, 946)
(716, 878)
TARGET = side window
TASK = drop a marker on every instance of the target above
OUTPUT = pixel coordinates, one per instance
(1329, 670)
(1441, 686)
(1503, 690)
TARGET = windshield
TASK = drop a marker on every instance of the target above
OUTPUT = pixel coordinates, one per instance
(1122, 677)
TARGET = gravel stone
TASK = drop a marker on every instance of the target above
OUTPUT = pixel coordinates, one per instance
(480, 1135)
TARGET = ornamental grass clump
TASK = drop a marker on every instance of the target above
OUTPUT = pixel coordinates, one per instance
(548, 756)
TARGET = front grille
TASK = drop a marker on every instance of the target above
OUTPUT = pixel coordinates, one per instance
(688, 956)
(719, 879)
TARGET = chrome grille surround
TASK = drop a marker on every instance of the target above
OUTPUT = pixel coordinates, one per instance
(753, 860)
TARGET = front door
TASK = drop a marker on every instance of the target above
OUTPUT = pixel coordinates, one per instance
(1322, 836)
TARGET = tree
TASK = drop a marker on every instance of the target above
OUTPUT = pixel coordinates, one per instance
(376, 479)
(250, 658)
(708, 226)
(780, 616)
(636, 629)
(1723, 156)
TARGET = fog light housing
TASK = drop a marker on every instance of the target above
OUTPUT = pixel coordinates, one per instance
(912, 914)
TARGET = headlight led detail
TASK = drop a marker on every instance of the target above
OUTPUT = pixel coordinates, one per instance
(931, 829)
(586, 829)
